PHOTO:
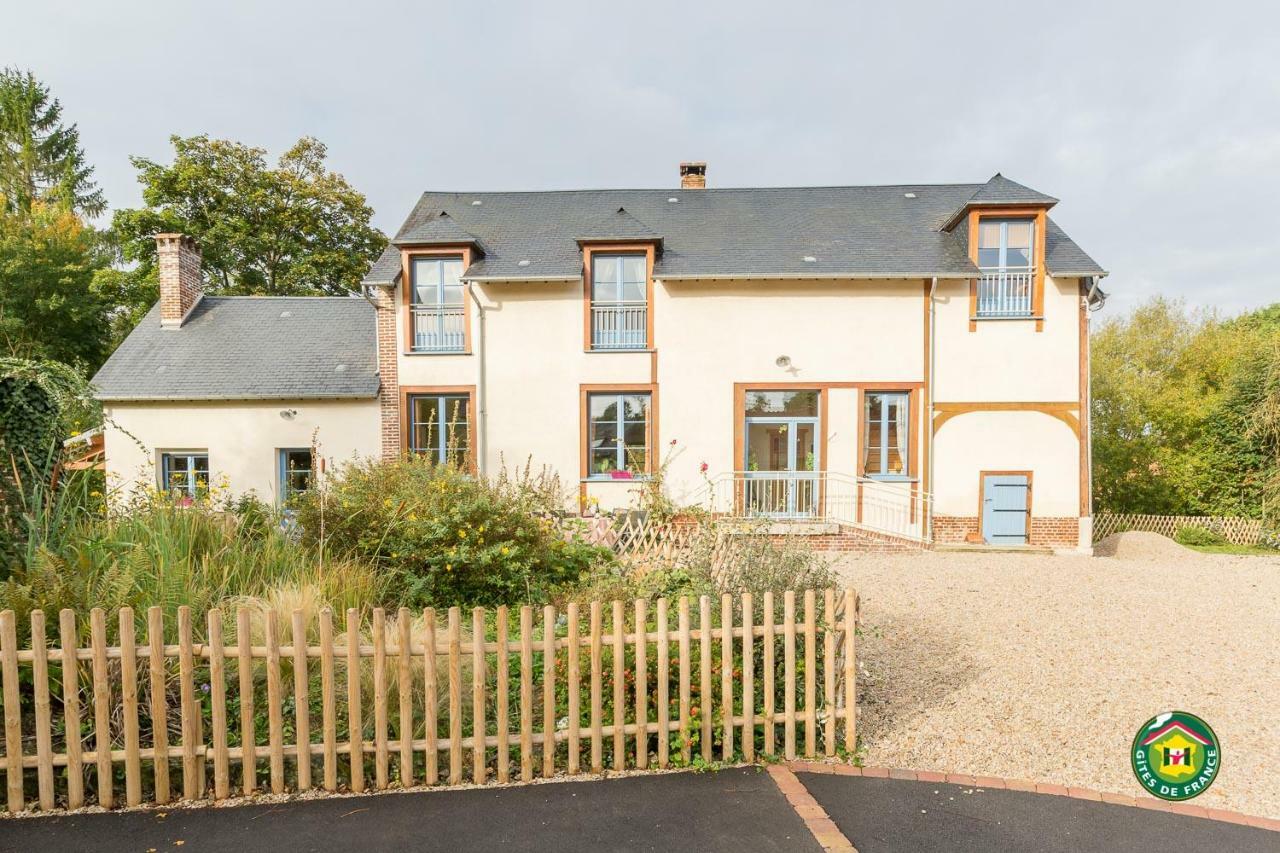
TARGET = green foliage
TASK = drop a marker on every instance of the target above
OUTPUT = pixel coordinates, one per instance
(1186, 412)
(40, 158)
(48, 306)
(1196, 536)
(442, 536)
(292, 229)
(41, 404)
(155, 553)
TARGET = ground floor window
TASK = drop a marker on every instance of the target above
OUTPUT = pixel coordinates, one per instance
(885, 434)
(440, 427)
(185, 474)
(295, 471)
(617, 434)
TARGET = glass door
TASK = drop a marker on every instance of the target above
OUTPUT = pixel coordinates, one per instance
(781, 453)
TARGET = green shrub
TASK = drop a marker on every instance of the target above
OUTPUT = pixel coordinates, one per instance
(1196, 536)
(442, 536)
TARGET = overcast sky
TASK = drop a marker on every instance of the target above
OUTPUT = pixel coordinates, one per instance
(1157, 124)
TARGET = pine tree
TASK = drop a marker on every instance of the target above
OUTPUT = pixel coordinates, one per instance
(40, 157)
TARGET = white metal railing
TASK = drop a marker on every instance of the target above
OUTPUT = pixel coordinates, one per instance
(439, 329)
(1005, 293)
(619, 326)
(896, 508)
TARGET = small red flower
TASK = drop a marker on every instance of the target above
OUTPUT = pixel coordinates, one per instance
(702, 469)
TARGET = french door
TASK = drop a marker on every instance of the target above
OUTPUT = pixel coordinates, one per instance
(781, 465)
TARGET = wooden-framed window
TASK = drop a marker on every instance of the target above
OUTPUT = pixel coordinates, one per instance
(294, 470)
(886, 434)
(437, 304)
(184, 474)
(1006, 257)
(438, 425)
(618, 434)
(619, 302)
(617, 296)
(1008, 247)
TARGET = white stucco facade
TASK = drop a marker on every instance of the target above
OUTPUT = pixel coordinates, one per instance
(242, 439)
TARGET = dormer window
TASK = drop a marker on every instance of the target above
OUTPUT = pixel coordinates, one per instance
(619, 302)
(1006, 257)
(437, 310)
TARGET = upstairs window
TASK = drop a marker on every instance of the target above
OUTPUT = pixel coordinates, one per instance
(184, 475)
(885, 433)
(440, 427)
(295, 472)
(618, 435)
(437, 308)
(619, 302)
(1006, 256)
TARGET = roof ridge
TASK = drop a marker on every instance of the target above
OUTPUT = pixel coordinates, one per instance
(426, 193)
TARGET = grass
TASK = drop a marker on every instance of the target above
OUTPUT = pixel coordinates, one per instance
(1244, 550)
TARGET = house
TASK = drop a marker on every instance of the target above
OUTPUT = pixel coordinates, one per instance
(879, 363)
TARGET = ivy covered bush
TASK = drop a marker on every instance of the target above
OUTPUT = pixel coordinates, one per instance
(444, 537)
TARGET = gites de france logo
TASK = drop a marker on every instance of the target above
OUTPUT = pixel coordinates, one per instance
(1176, 756)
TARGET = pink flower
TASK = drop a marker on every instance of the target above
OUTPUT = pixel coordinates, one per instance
(673, 442)
(702, 469)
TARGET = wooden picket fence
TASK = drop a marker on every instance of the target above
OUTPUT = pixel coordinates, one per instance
(1237, 531)
(83, 722)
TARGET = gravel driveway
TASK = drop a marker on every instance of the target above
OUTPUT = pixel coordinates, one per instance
(1043, 667)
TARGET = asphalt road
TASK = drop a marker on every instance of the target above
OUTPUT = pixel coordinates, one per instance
(880, 815)
(732, 811)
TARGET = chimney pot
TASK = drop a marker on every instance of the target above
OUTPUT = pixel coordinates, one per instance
(693, 175)
(178, 266)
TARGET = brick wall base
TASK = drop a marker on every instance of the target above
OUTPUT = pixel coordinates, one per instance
(851, 539)
(1054, 532)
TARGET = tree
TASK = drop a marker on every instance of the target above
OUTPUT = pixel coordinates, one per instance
(1186, 412)
(48, 308)
(294, 229)
(40, 158)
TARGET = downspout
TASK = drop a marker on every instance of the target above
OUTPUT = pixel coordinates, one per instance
(482, 406)
(933, 380)
(1088, 387)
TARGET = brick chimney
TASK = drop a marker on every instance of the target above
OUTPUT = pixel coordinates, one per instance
(693, 176)
(178, 260)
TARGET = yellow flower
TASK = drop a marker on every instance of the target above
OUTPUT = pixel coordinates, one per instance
(505, 551)
(481, 528)
(462, 534)
(448, 567)
(387, 502)
(413, 516)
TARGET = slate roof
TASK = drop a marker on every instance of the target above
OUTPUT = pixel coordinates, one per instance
(435, 231)
(779, 232)
(249, 348)
(619, 225)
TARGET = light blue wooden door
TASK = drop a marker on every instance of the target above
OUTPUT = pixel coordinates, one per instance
(1004, 508)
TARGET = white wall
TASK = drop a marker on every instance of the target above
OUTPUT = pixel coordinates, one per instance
(240, 437)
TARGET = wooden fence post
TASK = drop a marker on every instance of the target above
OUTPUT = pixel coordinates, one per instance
(159, 703)
(789, 675)
(706, 696)
(71, 707)
(850, 671)
(664, 685)
(548, 690)
(502, 712)
(12, 711)
(248, 732)
(275, 723)
(101, 705)
(748, 687)
(218, 703)
(455, 695)
(810, 675)
(129, 703)
(829, 671)
(685, 703)
(380, 750)
(642, 684)
(575, 691)
(355, 716)
(597, 712)
(478, 769)
(619, 688)
(726, 675)
(430, 697)
(328, 702)
(44, 734)
(526, 693)
(404, 685)
(767, 664)
(301, 700)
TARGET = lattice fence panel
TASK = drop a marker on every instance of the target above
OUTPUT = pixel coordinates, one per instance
(1238, 531)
